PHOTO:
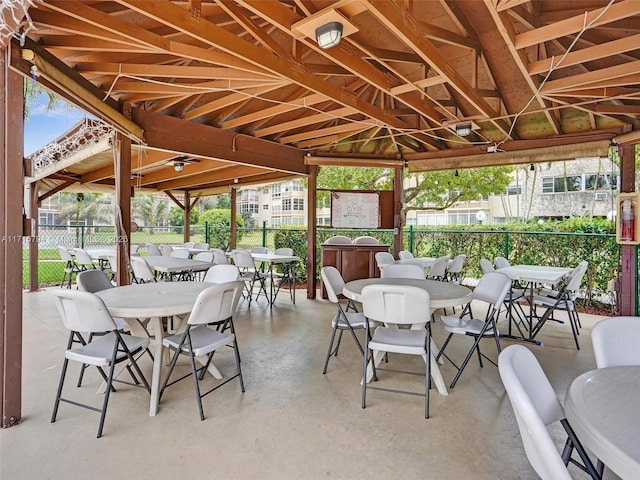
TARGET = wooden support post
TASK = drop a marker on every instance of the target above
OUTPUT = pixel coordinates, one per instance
(11, 200)
(628, 290)
(312, 200)
(123, 201)
(232, 220)
(397, 209)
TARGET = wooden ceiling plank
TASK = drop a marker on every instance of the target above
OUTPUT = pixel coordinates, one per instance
(223, 174)
(140, 159)
(228, 100)
(325, 132)
(391, 16)
(109, 23)
(305, 121)
(259, 34)
(588, 54)
(190, 169)
(170, 71)
(210, 33)
(584, 79)
(617, 11)
(140, 86)
(73, 43)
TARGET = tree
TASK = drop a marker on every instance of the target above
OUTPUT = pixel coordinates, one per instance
(219, 221)
(90, 208)
(176, 216)
(150, 209)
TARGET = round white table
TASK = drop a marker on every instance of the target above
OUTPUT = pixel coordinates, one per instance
(154, 301)
(441, 295)
(603, 408)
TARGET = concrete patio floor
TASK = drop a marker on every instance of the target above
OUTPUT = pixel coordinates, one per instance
(292, 422)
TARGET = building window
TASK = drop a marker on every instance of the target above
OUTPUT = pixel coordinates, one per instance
(298, 204)
(276, 191)
(579, 183)
(265, 206)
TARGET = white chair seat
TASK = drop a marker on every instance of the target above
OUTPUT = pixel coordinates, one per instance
(462, 326)
(355, 319)
(100, 351)
(551, 301)
(395, 340)
(203, 339)
(516, 294)
(122, 324)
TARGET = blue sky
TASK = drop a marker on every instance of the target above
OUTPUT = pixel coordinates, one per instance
(43, 127)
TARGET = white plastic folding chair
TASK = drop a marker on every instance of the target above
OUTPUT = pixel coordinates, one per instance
(141, 271)
(189, 245)
(83, 259)
(219, 256)
(180, 253)
(343, 319)
(259, 250)
(536, 406)
(511, 302)
(455, 270)
(214, 305)
(562, 300)
(405, 255)
(502, 262)
(201, 246)
(222, 274)
(133, 249)
(383, 259)
(283, 273)
(165, 250)
(486, 266)
(204, 256)
(338, 240)
(70, 268)
(365, 240)
(398, 306)
(153, 249)
(616, 341)
(492, 289)
(402, 270)
(249, 274)
(85, 312)
(438, 269)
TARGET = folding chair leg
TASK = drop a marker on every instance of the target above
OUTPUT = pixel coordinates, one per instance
(59, 394)
(330, 351)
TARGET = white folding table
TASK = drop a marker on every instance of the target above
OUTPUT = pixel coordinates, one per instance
(174, 265)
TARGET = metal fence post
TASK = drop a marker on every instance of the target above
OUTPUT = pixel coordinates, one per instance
(81, 236)
(411, 238)
(264, 233)
(207, 236)
(506, 245)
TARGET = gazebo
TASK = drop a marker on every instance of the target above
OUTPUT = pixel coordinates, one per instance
(210, 95)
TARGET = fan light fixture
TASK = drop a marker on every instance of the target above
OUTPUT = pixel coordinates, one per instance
(463, 130)
(329, 35)
(179, 166)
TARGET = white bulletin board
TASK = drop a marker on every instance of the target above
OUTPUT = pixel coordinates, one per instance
(355, 210)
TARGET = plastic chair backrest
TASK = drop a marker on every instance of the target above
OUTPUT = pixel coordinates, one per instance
(179, 253)
(384, 258)
(204, 256)
(133, 249)
(215, 303)
(338, 240)
(398, 304)
(492, 288)
(165, 250)
(141, 269)
(502, 262)
(457, 264)
(93, 281)
(219, 257)
(535, 405)
(576, 275)
(243, 259)
(64, 254)
(189, 245)
(82, 257)
(486, 266)
(83, 312)
(284, 251)
(399, 270)
(222, 273)
(113, 263)
(405, 255)
(616, 341)
(259, 250)
(153, 249)
(439, 267)
(333, 282)
(365, 240)
(201, 246)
